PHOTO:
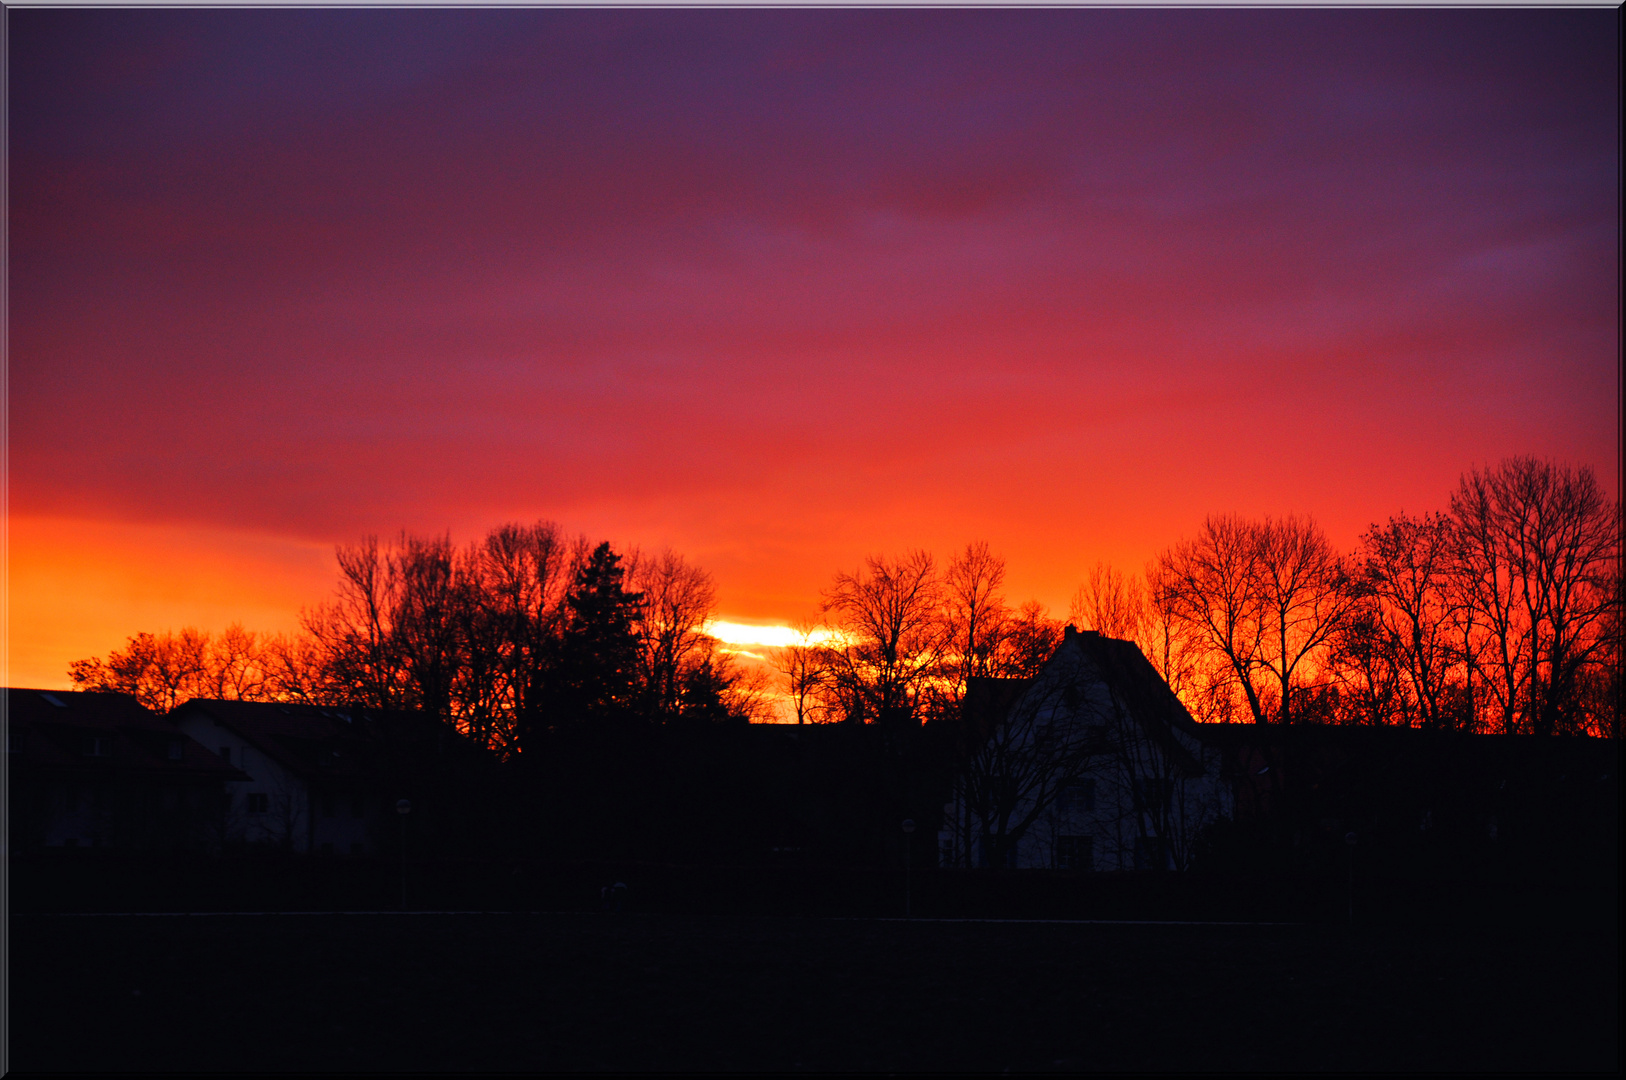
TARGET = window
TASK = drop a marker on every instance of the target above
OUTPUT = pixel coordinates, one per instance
(1151, 853)
(1154, 793)
(258, 802)
(100, 746)
(225, 754)
(176, 749)
(1078, 797)
(1075, 852)
(53, 699)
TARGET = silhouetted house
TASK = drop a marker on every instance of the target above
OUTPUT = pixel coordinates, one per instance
(100, 771)
(1093, 764)
(325, 781)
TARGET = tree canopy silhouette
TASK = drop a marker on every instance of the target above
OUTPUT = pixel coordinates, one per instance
(593, 669)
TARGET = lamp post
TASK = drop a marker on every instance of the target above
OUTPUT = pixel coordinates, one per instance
(908, 829)
(403, 807)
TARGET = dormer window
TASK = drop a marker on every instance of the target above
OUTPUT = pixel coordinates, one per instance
(100, 746)
(176, 749)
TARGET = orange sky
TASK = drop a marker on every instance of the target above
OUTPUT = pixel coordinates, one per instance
(778, 289)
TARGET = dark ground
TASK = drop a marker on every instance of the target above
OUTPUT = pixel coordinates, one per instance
(682, 992)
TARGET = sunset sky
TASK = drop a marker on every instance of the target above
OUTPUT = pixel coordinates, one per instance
(778, 288)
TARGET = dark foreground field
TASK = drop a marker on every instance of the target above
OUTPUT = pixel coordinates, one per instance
(636, 991)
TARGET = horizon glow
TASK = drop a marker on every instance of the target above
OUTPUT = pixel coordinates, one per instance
(778, 289)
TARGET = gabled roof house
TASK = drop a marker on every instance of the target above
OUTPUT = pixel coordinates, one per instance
(1094, 764)
(325, 780)
(97, 770)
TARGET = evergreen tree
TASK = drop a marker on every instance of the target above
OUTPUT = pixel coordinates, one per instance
(594, 674)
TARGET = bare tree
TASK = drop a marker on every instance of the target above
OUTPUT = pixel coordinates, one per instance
(1175, 648)
(520, 575)
(161, 670)
(1111, 603)
(679, 600)
(1599, 693)
(805, 665)
(1536, 543)
(1303, 599)
(1027, 639)
(355, 632)
(746, 694)
(889, 624)
(294, 671)
(235, 665)
(975, 615)
(1265, 599)
(1366, 668)
(1404, 595)
(1210, 585)
(431, 601)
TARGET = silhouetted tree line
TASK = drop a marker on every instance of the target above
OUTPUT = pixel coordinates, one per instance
(522, 633)
(1500, 613)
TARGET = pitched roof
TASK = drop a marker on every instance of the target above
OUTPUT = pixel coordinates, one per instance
(1135, 686)
(1133, 678)
(54, 728)
(306, 740)
(328, 741)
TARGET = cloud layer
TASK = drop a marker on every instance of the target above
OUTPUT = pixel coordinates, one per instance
(782, 287)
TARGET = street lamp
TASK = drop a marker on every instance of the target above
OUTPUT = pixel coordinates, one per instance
(403, 807)
(908, 829)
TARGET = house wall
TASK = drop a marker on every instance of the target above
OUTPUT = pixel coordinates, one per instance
(127, 813)
(70, 818)
(285, 818)
(1117, 827)
(344, 821)
(325, 819)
